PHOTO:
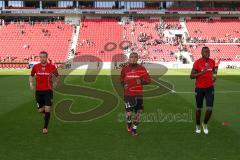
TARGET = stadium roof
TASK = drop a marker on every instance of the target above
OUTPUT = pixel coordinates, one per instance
(151, 0)
(167, 0)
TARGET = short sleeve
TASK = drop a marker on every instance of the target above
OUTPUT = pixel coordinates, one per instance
(195, 65)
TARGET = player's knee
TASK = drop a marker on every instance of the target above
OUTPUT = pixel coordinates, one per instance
(129, 114)
(40, 110)
(136, 122)
(47, 109)
(209, 108)
(198, 108)
(140, 111)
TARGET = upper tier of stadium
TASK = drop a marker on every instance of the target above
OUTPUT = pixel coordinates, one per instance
(164, 5)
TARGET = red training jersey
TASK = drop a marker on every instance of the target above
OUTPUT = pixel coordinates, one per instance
(205, 80)
(44, 76)
(132, 78)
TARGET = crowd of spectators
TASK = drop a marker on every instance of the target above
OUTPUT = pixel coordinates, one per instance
(144, 42)
(22, 30)
(148, 41)
(202, 37)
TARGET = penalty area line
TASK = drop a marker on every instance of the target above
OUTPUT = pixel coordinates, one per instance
(227, 91)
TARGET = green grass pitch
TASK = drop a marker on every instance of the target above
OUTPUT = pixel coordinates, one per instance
(106, 137)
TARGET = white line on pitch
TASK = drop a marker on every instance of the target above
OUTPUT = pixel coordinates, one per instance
(227, 91)
(172, 90)
(182, 92)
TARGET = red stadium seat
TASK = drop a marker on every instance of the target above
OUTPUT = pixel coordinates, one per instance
(24, 40)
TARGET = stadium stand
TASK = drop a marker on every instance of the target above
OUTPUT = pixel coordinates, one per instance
(222, 36)
(144, 8)
(216, 9)
(214, 31)
(95, 34)
(224, 52)
(173, 8)
(21, 42)
(148, 40)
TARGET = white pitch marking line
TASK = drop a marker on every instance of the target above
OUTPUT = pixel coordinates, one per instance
(172, 90)
(227, 91)
(182, 92)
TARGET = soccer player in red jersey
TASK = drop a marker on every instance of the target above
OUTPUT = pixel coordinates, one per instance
(44, 72)
(133, 77)
(205, 72)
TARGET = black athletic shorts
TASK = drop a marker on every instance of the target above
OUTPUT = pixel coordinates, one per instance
(207, 93)
(133, 103)
(44, 98)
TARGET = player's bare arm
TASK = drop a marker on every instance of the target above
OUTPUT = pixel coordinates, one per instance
(215, 69)
(57, 78)
(31, 82)
(124, 85)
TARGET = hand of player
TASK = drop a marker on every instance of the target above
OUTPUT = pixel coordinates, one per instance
(55, 84)
(214, 78)
(31, 86)
(125, 86)
(138, 81)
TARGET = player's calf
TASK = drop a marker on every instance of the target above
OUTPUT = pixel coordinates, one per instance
(208, 115)
(136, 123)
(129, 121)
(46, 117)
(41, 111)
(198, 119)
(206, 119)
